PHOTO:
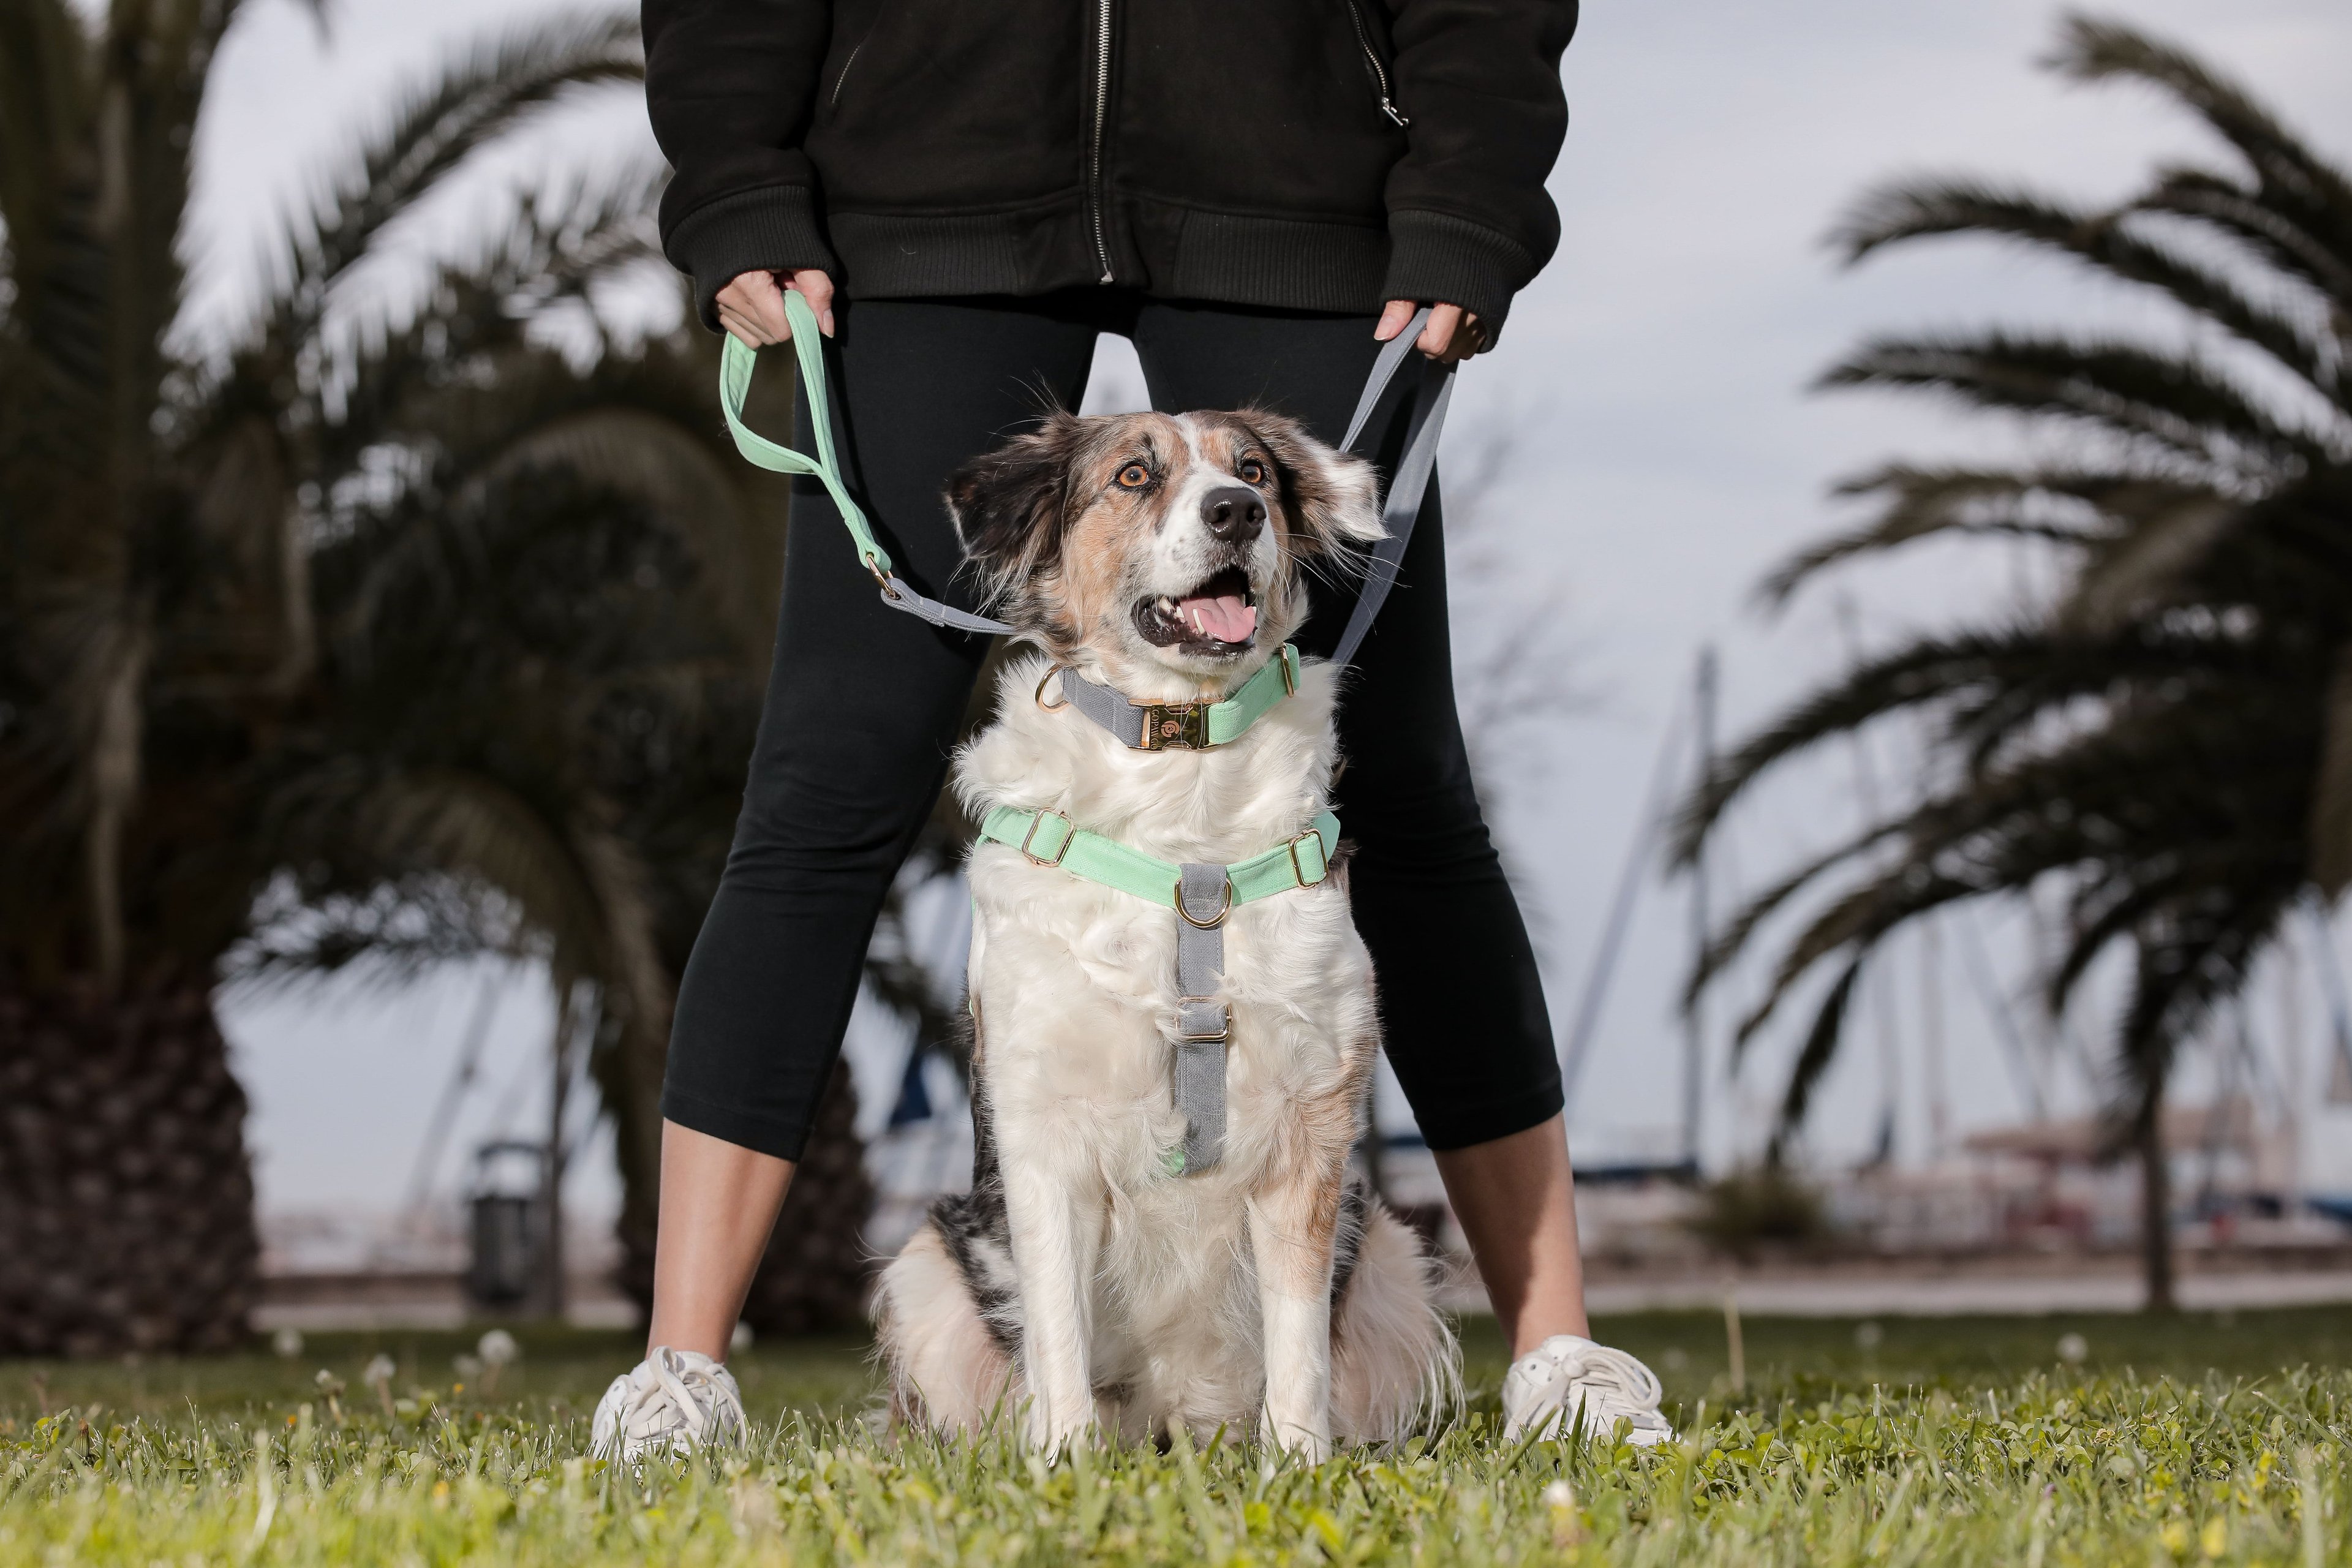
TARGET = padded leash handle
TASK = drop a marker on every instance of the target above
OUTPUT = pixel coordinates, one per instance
(1432, 389)
(735, 366)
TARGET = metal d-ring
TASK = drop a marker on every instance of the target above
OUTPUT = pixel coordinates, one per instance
(1051, 671)
(1224, 908)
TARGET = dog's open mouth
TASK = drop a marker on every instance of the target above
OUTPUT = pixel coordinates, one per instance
(1218, 616)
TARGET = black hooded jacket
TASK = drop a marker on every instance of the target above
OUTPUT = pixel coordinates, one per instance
(1308, 154)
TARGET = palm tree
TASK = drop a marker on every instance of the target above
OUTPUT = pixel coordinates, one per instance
(2169, 741)
(205, 678)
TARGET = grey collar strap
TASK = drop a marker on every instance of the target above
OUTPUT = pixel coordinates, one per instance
(1194, 726)
(1204, 898)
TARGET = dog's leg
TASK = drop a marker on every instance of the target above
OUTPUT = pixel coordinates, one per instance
(1057, 1214)
(1292, 1219)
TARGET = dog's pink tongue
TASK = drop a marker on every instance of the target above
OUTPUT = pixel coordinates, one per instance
(1225, 618)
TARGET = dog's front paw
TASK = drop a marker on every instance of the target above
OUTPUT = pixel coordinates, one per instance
(1309, 1443)
(1053, 1437)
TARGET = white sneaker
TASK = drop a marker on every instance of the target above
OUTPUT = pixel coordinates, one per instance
(679, 1400)
(1568, 1378)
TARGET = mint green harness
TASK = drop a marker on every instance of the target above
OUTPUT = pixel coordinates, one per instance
(1202, 894)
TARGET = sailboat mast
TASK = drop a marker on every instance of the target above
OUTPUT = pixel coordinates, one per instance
(1695, 1016)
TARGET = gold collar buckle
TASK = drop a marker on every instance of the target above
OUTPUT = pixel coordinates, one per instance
(1167, 725)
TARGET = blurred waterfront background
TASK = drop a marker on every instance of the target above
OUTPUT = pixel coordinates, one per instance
(1641, 452)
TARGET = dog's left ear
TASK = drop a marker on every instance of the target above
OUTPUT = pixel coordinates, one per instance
(1008, 506)
(1331, 497)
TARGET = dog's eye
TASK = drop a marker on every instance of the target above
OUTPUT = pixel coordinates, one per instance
(1134, 477)
(1253, 471)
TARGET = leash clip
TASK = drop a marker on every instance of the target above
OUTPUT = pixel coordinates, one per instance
(1167, 725)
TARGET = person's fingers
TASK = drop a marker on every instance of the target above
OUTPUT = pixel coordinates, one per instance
(816, 285)
(739, 322)
(1438, 336)
(741, 330)
(1470, 337)
(754, 299)
(1393, 317)
(768, 308)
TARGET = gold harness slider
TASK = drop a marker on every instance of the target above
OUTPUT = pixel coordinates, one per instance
(1322, 859)
(1029, 837)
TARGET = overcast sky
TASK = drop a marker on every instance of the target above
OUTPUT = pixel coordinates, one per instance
(1662, 453)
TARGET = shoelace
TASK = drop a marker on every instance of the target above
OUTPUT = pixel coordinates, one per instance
(1614, 1372)
(670, 1392)
(1587, 1385)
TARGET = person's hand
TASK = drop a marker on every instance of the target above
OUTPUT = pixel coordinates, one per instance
(1453, 334)
(752, 307)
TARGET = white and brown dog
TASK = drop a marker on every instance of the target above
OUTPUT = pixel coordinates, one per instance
(1079, 1283)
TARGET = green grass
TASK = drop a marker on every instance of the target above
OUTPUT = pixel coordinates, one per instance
(2201, 1438)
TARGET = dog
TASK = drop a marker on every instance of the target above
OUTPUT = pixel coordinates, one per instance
(1080, 1287)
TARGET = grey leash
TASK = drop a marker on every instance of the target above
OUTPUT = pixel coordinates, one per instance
(1432, 388)
(1203, 1022)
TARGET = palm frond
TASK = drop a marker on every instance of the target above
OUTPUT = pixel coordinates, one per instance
(2110, 243)
(2295, 183)
(471, 100)
(2066, 507)
(2245, 217)
(1814, 1058)
(2193, 412)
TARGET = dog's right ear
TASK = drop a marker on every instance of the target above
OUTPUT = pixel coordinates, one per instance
(1008, 506)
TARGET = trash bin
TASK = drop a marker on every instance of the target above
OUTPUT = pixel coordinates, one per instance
(507, 1227)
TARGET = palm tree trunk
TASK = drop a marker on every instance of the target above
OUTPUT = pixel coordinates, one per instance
(2155, 1203)
(126, 1194)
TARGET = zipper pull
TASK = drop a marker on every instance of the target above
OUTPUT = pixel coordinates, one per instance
(1391, 111)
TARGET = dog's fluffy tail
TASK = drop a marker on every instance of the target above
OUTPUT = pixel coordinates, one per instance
(946, 1370)
(1395, 1368)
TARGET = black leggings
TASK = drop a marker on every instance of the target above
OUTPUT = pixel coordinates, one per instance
(864, 702)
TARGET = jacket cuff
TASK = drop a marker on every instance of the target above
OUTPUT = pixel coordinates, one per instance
(772, 229)
(1439, 259)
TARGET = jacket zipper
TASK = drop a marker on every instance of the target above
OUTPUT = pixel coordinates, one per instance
(845, 66)
(1095, 148)
(1372, 63)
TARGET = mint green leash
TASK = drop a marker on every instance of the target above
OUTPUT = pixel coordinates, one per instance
(735, 366)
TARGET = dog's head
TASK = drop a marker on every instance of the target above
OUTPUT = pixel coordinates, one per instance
(1152, 544)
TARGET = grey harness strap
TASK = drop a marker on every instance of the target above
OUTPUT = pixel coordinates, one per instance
(1204, 897)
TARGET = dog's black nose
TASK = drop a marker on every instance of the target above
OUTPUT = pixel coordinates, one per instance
(1235, 512)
